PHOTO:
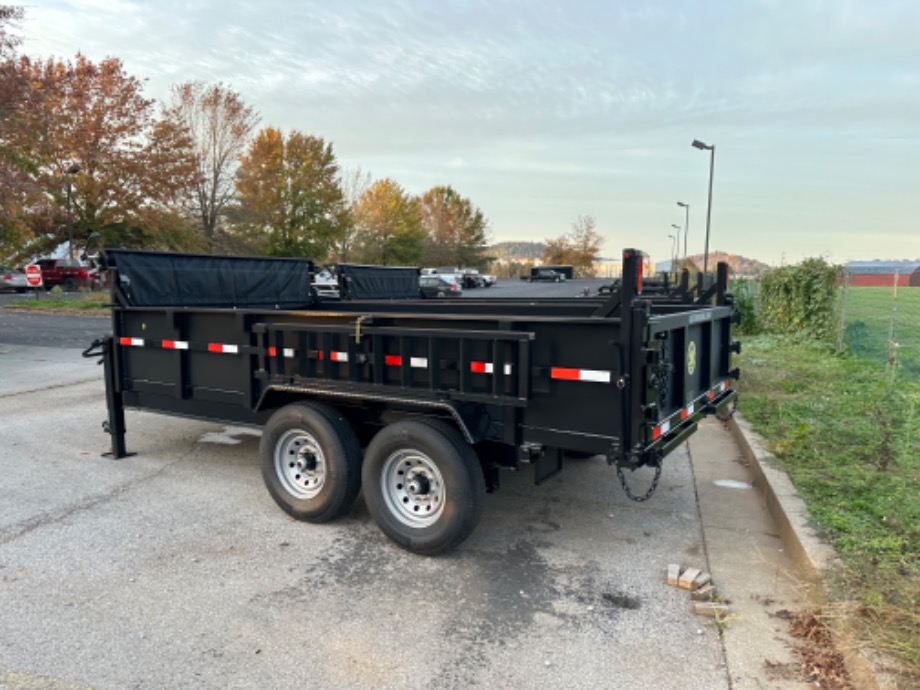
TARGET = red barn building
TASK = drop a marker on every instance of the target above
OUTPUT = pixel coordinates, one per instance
(882, 273)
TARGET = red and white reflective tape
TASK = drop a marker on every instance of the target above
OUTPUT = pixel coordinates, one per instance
(397, 360)
(661, 429)
(131, 342)
(224, 349)
(564, 374)
(687, 411)
(175, 345)
(287, 352)
(338, 356)
(487, 368)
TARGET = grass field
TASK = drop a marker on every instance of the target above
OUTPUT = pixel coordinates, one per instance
(869, 312)
(849, 437)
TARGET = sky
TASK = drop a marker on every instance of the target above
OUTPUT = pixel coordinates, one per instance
(541, 112)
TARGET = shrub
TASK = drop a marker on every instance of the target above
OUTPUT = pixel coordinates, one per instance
(801, 300)
(746, 297)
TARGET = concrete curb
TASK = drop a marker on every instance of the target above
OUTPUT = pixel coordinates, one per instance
(803, 543)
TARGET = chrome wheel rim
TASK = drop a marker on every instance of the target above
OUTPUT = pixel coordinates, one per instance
(300, 464)
(413, 488)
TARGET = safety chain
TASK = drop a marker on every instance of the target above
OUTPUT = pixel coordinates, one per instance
(726, 414)
(651, 489)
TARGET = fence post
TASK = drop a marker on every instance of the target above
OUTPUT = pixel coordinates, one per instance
(892, 345)
(843, 310)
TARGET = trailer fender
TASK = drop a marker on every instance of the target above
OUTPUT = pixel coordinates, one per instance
(470, 418)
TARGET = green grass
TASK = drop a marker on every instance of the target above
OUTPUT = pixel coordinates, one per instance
(90, 302)
(868, 313)
(850, 441)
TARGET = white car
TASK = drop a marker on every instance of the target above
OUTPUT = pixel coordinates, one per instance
(448, 273)
(326, 284)
(13, 279)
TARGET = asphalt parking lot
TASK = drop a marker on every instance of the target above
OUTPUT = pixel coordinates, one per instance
(174, 567)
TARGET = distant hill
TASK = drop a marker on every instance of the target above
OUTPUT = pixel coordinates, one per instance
(517, 251)
(737, 264)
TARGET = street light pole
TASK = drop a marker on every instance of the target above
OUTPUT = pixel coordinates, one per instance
(697, 144)
(686, 224)
(71, 171)
(676, 247)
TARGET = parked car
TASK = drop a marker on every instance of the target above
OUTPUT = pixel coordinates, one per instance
(70, 274)
(326, 284)
(13, 279)
(448, 273)
(546, 274)
(436, 286)
(488, 279)
(471, 278)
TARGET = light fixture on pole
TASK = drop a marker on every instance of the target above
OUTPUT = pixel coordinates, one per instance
(686, 224)
(676, 242)
(697, 144)
(71, 171)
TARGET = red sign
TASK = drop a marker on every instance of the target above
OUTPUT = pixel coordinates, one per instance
(34, 275)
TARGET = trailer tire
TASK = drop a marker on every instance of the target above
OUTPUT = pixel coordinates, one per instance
(311, 461)
(423, 485)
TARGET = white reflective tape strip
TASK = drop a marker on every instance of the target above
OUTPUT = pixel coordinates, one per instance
(338, 356)
(487, 368)
(665, 426)
(224, 349)
(175, 345)
(418, 362)
(133, 342)
(594, 375)
(690, 409)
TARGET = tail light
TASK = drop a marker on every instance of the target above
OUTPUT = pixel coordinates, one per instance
(82, 273)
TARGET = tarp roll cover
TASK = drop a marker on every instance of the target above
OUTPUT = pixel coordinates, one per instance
(163, 279)
(379, 282)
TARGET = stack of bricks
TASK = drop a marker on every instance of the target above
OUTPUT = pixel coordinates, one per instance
(706, 601)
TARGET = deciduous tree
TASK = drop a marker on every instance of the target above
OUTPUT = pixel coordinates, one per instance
(390, 231)
(289, 194)
(354, 182)
(457, 231)
(220, 125)
(579, 248)
(127, 166)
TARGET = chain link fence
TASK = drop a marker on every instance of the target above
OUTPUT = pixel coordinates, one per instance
(882, 324)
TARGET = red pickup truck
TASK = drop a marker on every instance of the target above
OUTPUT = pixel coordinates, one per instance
(70, 274)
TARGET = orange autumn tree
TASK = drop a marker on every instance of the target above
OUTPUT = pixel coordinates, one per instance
(89, 127)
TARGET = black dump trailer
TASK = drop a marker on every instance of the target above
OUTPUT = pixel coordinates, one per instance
(420, 402)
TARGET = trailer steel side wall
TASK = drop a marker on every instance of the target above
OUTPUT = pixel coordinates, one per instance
(624, 376)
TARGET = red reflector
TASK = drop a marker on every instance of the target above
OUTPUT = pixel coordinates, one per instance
(478, 367)
(124, 341)
(565, 374)
(272, 351)
(683, 414)
(656, 433)
(393, 360)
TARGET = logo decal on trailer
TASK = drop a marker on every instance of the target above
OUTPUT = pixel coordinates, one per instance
(691, 357)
